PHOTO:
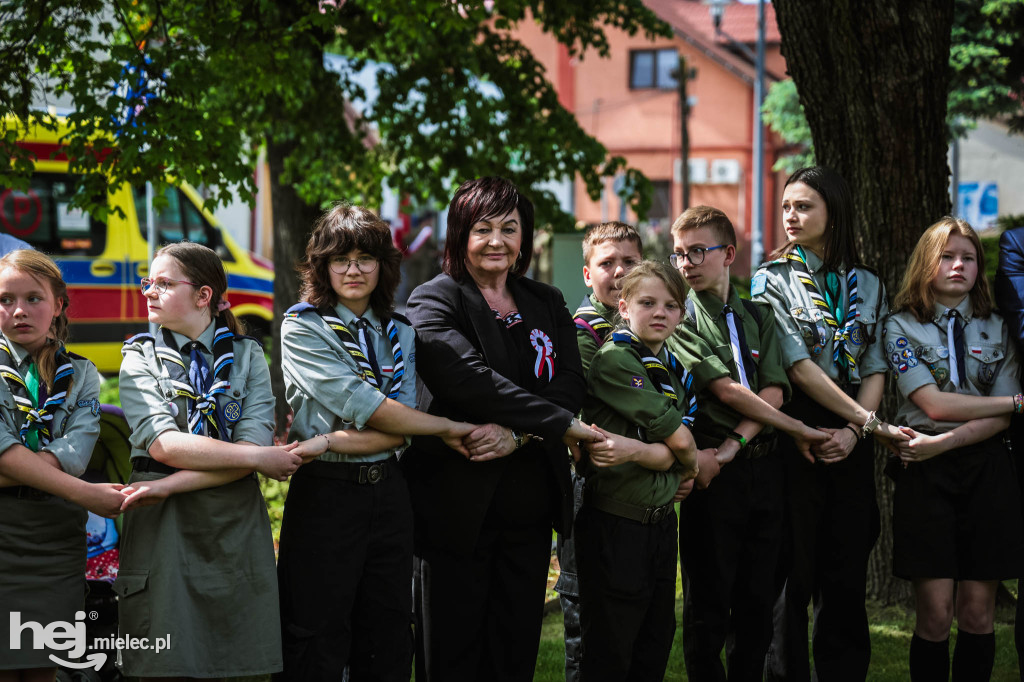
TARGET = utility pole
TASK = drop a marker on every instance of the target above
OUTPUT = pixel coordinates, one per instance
(682, 75)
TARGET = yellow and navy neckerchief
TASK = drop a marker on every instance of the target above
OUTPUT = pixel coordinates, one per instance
(842, 333)
(589, 320)
(349, 343)
(39, 418)
(658, 373)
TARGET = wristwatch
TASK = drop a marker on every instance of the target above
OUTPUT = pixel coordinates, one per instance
(870, 425)
(518, 437)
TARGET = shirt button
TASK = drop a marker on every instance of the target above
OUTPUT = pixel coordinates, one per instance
(237, 393)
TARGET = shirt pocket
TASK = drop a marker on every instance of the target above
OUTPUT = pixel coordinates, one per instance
(175, 403)
(983, 363)
(866, 328)
(812, 327)
(231, 402)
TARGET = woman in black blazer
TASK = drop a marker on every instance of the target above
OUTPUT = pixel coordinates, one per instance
(497, 348)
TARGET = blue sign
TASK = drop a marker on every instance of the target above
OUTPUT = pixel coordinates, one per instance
(979, 203)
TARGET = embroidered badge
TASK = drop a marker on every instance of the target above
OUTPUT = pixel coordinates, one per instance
(233, 411)
(902, 367)
(817, 349)
(940, 374)
(637, 382)
(902, 342)
(758, 284)
(890, 347)
(93, 405)
(755, 353)
(545, 354)
(857, 336)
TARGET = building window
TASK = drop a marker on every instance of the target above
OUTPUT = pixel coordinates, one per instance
(661, 200)
(653, 69)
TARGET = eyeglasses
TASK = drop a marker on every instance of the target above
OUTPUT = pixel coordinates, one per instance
(365, 264)
(160, 285)
(694, 255)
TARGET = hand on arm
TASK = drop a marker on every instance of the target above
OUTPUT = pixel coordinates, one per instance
(685, 450)
(839, 446)
(956, 407)
(25, 467)
(762, 408)
(921, 447)
(616, 449)
(683, 491)
(199, 453)
(347, 441)
(395, 418)
(578, 433)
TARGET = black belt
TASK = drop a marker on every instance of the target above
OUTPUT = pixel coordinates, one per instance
(370, 473)
(759, 447)
(633, 512)
(24, 492)
(148, 465)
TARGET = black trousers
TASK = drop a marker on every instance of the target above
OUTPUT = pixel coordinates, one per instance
(568, 588)
(729, 536)
(478, 614)
(832, 524)
(345, 573)
(627, 577)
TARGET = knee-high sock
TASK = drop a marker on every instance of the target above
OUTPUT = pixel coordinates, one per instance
(973, 657)
(929, 661)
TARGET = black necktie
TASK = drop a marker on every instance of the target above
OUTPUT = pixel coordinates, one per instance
(367, 343)
(957, 347)
(747, 358)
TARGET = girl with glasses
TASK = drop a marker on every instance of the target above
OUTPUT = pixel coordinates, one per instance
(197, 555)
(349, 361)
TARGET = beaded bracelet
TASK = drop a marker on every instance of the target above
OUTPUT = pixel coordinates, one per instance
(1018, 403)
(327, 438)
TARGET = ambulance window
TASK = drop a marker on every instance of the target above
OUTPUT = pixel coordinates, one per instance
(180, 219)
(41, 216)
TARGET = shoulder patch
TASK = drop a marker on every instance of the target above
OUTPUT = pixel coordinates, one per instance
(298, 308)
(758, 284)
(140, 338)
(637, 382)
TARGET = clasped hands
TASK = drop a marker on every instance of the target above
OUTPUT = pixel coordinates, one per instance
(492, 441)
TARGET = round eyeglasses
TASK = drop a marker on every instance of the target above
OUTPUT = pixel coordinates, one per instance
(160, 285)
(365, 264)
(694, 255)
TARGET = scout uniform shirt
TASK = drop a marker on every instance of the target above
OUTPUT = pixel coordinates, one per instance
(622, 398)
(324, 385)
(152, 407)
(76, 422)
(801, 327)
(919, 354)
(594, 324)
(709, 357)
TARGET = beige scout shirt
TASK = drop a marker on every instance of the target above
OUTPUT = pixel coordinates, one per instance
(801, 328)
(918, 355)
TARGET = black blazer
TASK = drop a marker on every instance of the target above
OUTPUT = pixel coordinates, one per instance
(462, 364)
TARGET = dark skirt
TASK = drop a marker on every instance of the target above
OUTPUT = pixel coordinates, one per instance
(198, 568)
(957, 515)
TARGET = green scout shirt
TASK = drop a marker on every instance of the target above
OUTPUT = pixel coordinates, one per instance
(76, 423)
(151, 406)
(323, 384)
(715, 420)
(584, 338)
(801, 328)
(622, 399)
(918, 355)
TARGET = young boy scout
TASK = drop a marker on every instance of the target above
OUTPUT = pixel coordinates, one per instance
(610, 251)
(730, 532)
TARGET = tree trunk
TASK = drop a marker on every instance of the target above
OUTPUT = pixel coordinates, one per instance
(293, 221)
(873, 78)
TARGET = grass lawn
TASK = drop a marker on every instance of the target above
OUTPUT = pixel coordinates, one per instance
(891, 628)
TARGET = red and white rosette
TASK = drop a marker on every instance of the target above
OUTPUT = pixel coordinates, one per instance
(545, 353)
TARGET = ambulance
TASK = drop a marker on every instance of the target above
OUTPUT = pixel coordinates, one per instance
(103, 261)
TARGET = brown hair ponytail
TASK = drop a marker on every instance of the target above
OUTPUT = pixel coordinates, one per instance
(202, 265)
(41, 267)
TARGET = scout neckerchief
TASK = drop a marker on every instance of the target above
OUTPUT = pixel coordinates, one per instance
(832, 310)
(194, 381)
(351, 345)
(35, 431)
(658, 373)
(589, 320)
(957, 348)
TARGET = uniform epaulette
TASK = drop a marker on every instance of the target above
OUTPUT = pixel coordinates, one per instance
(401, 318)
(299, 308)
(239, 337)
(75, 356)
(861, 266)
(140, 338)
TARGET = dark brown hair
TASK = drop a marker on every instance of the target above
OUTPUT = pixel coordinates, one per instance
(478, 200)
(202, 265)
(840, 248)
(341, 229)
(42, 268)
(710, 217)
(915, 294)
(612, 231)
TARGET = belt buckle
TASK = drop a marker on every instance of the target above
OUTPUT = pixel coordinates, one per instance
(654, 515)
(372, 474)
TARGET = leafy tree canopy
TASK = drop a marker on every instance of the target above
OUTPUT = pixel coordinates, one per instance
(218, 79)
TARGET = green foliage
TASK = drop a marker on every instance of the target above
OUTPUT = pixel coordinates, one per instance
(228, 77)
(109, 392)
(1009, 221)
(986, 62)
(275, 493)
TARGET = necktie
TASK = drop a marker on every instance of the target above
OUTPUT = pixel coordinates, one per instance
(957, 350)
(198, 370)
(366, 345)
(32, 383)
(740, 349)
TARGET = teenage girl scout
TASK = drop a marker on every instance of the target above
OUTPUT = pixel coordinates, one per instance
(350, 376)
(956, 512)
(730, 532)
(50, 421)
(625, 532)
(828, 309)
(199, 566)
